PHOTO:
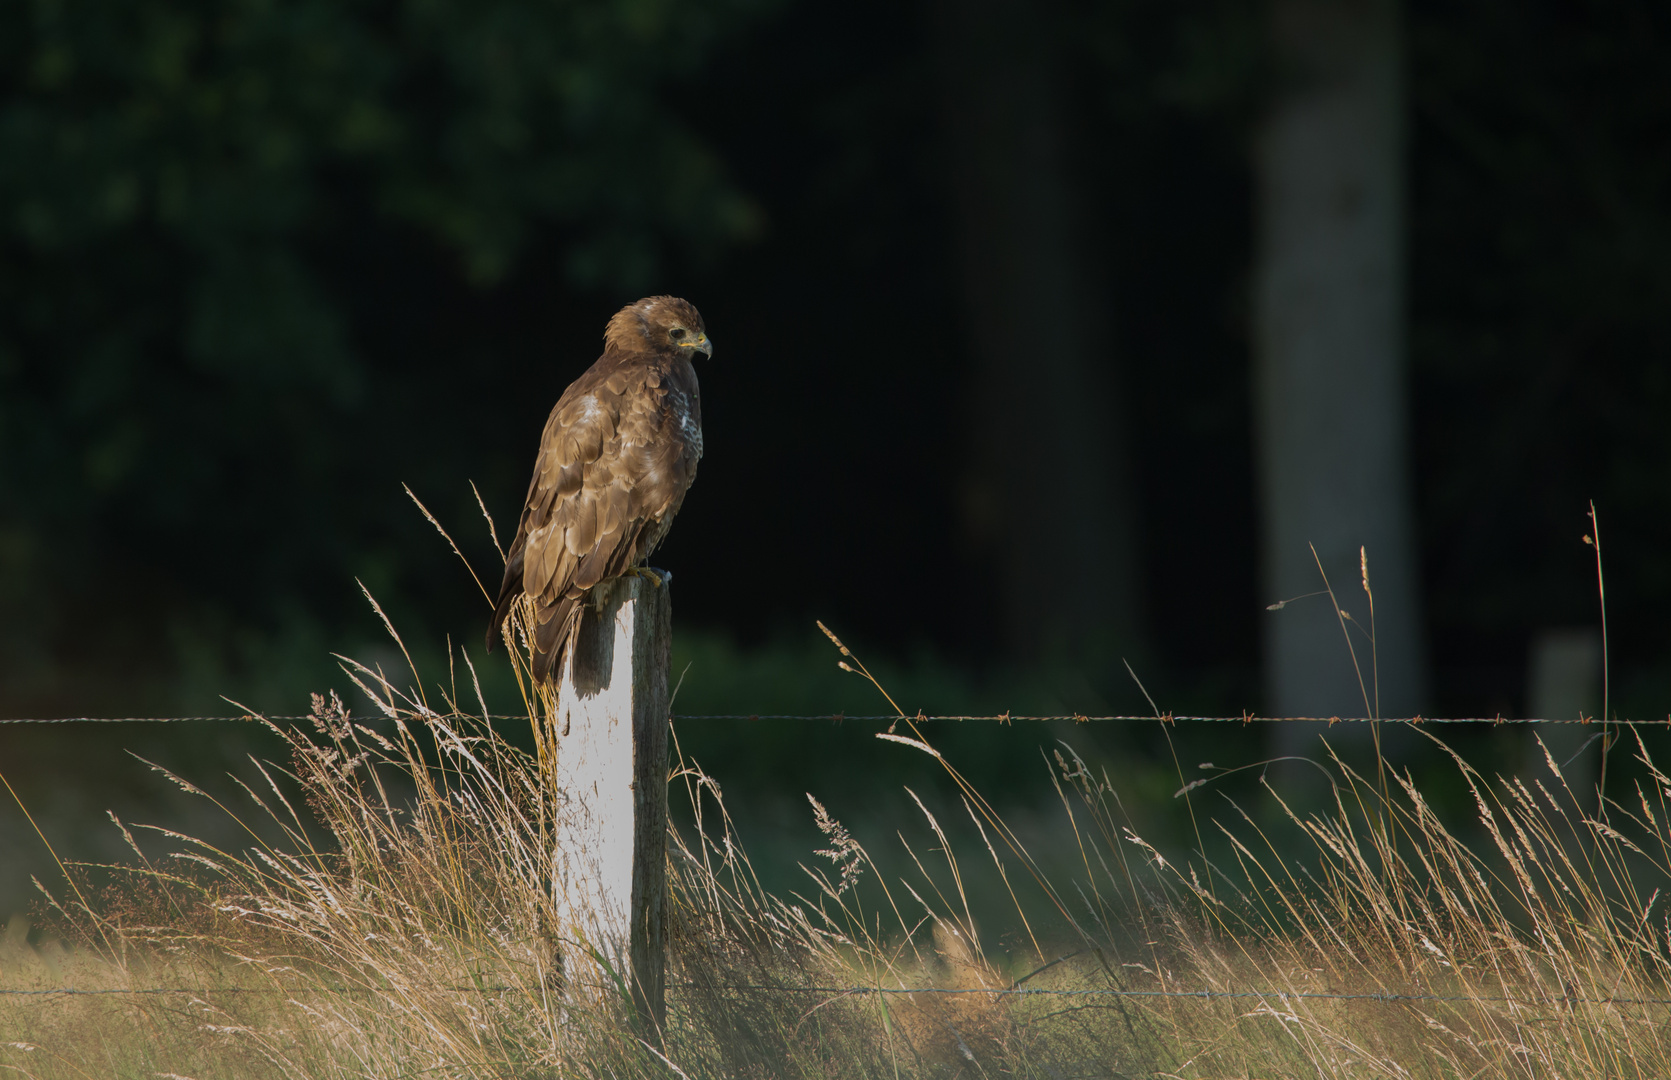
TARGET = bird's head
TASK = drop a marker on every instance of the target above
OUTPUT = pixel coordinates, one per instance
(657, 324)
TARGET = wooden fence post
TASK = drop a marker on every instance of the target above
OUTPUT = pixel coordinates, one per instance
(610, 872)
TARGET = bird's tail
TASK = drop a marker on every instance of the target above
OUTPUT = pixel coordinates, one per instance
(501, 612)
(510, 590)
(554, 635)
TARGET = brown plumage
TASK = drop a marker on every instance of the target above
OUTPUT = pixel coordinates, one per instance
(618, 454)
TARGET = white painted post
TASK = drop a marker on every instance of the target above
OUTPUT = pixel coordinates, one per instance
(610, 871)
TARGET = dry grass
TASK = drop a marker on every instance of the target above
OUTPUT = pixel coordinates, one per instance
(392, 916)
(1537, 957)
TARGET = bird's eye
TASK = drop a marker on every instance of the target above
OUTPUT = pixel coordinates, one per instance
(676, 333)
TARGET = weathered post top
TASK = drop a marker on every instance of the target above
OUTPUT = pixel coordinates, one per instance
(610, 739)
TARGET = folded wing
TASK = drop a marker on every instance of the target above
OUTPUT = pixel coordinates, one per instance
(613, 467)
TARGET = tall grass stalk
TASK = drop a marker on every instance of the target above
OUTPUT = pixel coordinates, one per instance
(393, 916)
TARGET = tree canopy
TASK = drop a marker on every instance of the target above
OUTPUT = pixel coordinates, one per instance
(262, 261)
(190, 195)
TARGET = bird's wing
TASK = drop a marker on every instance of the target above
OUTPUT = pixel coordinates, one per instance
(611, 466)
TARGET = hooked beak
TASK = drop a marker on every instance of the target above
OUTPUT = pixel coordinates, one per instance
(700, 343)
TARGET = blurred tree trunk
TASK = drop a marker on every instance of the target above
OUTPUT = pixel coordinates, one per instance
(1330, 368)
(1047, 498)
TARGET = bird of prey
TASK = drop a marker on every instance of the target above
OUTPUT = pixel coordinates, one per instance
(618, 454)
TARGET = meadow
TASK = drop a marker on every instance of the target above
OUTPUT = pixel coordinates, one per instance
(389, 914)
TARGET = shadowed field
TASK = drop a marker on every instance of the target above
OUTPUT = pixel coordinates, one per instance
(387, 913)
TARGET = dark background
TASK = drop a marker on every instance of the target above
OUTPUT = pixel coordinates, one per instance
(260, 264)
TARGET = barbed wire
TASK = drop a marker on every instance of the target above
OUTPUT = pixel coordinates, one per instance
(67, 991)
(1003, 718)
(135, 719)
(1168, 718)
(1383, 996)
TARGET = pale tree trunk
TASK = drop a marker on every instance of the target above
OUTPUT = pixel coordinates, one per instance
(1330, 370)
(1047, 494)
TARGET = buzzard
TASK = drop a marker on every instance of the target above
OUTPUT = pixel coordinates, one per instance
(618, 454)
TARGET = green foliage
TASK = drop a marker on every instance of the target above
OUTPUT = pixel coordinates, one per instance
(178, 184)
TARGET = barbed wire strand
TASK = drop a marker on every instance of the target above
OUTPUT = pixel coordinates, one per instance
(1384, 996)
(891, 717)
